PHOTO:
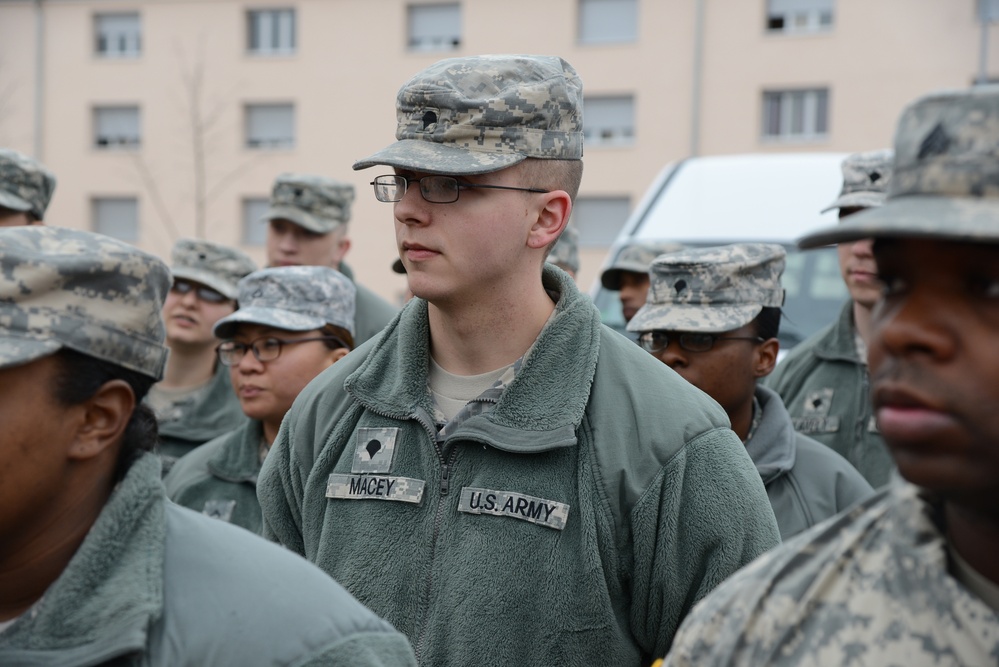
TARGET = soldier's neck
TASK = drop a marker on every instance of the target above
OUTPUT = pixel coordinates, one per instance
(975, 535)
(188, 367)
(862, 321)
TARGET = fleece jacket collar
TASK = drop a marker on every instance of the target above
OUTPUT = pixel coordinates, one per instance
(840, 345)
(772, 446)
(538, 411)
(238, 460)
(103, 603)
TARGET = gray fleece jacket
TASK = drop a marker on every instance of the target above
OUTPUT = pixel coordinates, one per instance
(574, 523)
(157, 584)
(806, 481)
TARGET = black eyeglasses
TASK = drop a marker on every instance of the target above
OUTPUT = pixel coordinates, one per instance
(657, 341)
(230, 352)
(206, 294)
(435, 189)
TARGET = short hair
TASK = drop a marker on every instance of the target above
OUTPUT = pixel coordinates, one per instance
(80, 376)
(553, 175)
(340, 334)
(767, 323)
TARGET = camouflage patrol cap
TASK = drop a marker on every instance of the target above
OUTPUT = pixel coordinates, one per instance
(634, 258)
(945, 182)
(566, 250)
(480, 114)
(712, 290)
(213, 264)
(317, 203)
(293, 298)
(83, 291)
(865, 180)
(25, 185)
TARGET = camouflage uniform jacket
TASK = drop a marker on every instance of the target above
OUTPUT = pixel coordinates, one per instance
(199, 421)
(219, 478)
(371, 312)
(156, 584)
(870, 587)
(807, 482)
(827, 392)
(573, 523)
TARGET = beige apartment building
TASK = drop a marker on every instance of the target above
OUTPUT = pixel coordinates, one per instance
(170, 118)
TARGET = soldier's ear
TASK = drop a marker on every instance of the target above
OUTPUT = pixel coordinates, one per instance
(552, 217)
(103, 421)
(765, 357)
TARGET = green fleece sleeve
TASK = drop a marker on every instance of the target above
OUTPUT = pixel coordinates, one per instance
(705, 515)
(280, 491)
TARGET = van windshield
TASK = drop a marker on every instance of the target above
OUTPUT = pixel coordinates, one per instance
(815, 293)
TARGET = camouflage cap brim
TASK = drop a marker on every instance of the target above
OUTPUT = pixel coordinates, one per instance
(965, 218)
(310, 222)
(16, 350)
(278, 318)
(857, 199)
(701, 318)
(434, 158)
(13, 202)
(611, 278)
(205, 278)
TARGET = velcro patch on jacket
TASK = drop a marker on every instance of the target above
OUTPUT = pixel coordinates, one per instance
(375, 487)
(543, 512)
(808, 425)
(219, 509)
(374, 449)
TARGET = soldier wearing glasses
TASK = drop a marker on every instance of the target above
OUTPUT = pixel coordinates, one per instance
(194, 402)
(713, 316)
(292, 323)
(497, 473)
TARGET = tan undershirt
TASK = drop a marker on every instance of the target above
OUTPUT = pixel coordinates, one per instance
(451, 392)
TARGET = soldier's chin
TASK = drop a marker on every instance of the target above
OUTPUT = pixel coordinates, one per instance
(629, 313)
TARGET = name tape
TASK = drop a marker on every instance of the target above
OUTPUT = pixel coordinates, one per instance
(549, 513)
(376, 487)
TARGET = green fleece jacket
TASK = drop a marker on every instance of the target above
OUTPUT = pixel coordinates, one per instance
(827, 392)
(806, 481)
(371, 312)
(154, 584)
(219, 478)
(200, 421)
(575, 523)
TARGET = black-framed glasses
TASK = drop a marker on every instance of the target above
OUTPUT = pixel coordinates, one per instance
(206, 294)
(435, 189)
(657, 341)
(231, 352)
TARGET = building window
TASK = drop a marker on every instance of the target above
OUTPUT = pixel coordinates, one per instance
(271, 31)
(116, 127)
(254, 228)
(609, 121)
(608, 21)
(800, 15)
(117, 217)
(790, 115)
(270, 126)
(599, 219)
(434, 27)
(117, 35)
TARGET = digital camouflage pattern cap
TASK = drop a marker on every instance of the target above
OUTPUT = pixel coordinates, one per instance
(293, 298)
(712, 290)
(945, 182)
(317, 203)
(480, 114)
(84, 291)
(865, 180)
(25, 185)
(566, 251)
(634, 258)
(213, 264)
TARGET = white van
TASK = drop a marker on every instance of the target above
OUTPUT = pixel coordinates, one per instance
(769, 198)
